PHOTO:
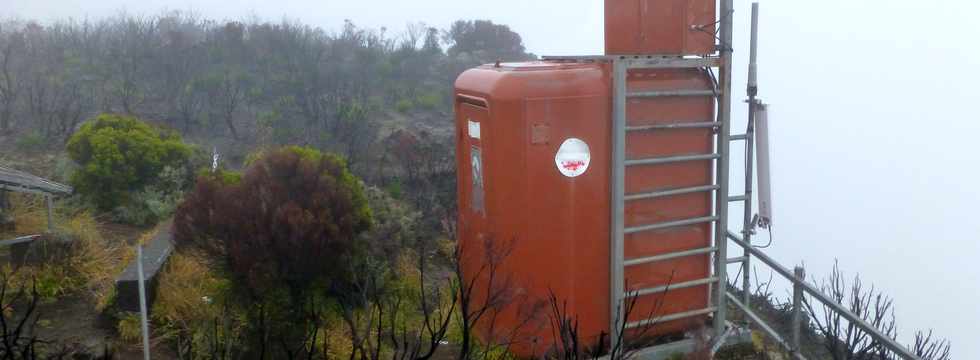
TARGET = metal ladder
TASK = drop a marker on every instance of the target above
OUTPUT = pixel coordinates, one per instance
(719, 186)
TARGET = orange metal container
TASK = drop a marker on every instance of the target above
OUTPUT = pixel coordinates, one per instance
(677, 27)
(526, 229)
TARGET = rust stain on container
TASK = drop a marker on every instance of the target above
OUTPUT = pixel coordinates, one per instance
(549, 231)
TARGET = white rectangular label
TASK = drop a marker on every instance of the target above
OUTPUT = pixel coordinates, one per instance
(474, 129)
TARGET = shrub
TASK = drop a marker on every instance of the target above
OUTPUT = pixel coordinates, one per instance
(32, 141)
(186, 290)
(394, 189)
(429, 101)
(76, 258)
(155, 202)
(394, 227)
(63, 168)
(51, 282)
(192, 307)
(282, 232)
(129, 327)
(404, 105)
(119, 154)
(95, 260)
(285, 222)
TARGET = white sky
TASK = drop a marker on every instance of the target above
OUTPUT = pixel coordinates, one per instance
(873, 110)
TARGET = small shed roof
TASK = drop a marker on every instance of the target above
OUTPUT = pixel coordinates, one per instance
(16, 180)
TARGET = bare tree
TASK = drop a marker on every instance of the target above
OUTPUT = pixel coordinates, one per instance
(487, 292)
(11, 44)
(17, 339)
(376, 314)
(928, 348)
(569, 344)
(844, 340)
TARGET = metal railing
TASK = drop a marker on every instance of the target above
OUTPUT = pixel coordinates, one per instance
(801, 288)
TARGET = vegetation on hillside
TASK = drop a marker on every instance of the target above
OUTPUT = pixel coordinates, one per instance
(334, 236)
(263, 81)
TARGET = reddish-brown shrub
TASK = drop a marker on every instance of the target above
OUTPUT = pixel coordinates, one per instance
(289, 220)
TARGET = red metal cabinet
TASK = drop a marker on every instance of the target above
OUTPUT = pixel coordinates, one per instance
(547, 231)
(679, 27)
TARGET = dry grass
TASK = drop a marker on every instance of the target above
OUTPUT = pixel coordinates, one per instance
(192, 306)
(188, 292)
(94, 259)
(29, 214)
(130, 328)
(88, 261)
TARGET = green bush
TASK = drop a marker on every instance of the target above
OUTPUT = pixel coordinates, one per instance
(32, 141)
(119, 155)
(394, 189)
(63, 168)
(404, 105)
(429, 101)
(155, 202)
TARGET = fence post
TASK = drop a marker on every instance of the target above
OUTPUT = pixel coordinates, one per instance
(144, 328)
(800, 276)
(50, 205)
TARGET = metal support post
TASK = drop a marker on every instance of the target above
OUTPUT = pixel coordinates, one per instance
(721, 172)
(145, 329)
(752, 88)
(618, 188)
(50, 204)
(797, 306)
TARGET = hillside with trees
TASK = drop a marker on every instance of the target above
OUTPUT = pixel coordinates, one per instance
(254, 82)
(306, 178)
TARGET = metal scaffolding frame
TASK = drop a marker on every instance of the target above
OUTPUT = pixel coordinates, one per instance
(618, 293)
(721, 296)
(621, 64)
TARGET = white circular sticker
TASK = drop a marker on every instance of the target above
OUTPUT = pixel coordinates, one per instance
(573, 157)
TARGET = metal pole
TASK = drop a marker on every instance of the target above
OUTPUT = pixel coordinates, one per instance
(797, 306)
(721, 175)
(50, 205)
(618, 188)
(751, 90)
(753, 51)
(142, 288)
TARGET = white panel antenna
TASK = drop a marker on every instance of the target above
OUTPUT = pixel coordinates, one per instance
(762, 162)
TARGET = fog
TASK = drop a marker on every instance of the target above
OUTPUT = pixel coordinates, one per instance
(874, 127)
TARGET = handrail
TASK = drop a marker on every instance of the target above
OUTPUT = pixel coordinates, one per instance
(18, 240)
(801, 283)
(762, 324)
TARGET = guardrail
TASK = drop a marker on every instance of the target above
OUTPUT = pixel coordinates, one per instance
(801, 287)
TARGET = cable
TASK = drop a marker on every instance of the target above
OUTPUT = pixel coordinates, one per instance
(740, 266)
(717, 29)
(770, 239)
